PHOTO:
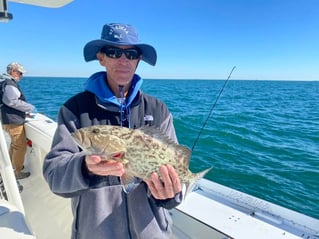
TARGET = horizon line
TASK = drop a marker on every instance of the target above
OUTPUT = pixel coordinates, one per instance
(157, 78)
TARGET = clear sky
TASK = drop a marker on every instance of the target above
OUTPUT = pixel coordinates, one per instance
(194, 39)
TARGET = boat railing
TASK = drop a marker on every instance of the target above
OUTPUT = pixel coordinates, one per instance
(7, 174)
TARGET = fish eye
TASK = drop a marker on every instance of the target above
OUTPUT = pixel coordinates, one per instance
(95, 131)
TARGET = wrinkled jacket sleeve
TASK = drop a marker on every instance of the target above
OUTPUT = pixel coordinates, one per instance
(62, 166)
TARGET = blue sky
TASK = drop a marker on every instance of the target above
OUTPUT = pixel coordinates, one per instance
(202, 39)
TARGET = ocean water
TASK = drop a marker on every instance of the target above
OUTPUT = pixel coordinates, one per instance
(262, 137)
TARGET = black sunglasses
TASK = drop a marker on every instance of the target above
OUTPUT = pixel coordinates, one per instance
(19, 72)
(115, 53)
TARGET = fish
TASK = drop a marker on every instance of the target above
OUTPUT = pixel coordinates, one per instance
(141, 151)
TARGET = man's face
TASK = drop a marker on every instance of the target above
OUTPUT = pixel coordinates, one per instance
(17, 75)
(120, 69)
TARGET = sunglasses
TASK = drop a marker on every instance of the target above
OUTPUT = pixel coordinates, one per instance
(115, 53)
(20, 73)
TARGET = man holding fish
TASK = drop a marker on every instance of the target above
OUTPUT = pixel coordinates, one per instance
(107, 201)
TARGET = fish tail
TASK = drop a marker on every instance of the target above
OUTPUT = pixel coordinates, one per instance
(192, 182)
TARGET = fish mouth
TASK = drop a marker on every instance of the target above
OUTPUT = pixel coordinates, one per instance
(115, 156)
(106, 156)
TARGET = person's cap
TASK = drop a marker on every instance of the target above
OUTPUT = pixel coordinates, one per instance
(16, 67)
(118, 34)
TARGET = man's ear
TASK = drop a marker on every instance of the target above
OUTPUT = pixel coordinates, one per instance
(100, 58)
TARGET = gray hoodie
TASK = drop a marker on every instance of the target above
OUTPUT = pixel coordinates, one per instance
(100, 207)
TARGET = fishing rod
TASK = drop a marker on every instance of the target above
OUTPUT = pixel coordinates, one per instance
(212, 108)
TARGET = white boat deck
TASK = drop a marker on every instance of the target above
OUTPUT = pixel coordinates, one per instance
(50, 216)
(232, 222)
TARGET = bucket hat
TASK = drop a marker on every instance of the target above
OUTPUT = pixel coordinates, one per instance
(118, 34)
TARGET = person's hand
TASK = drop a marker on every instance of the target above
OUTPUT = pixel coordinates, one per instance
(166, 187)
(97, 166)
(33, 113)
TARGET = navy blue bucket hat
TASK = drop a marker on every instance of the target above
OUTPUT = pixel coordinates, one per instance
(117, 34)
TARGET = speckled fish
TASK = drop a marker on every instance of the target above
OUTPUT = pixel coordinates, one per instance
(142, 151)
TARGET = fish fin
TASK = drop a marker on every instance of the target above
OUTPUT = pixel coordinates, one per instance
(191, 184)
(127, 178)
(129, 182)
(156, 133)
(151, 130)
(127, 188)
(183, 152)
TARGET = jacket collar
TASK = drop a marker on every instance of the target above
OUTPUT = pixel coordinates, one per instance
(97, 84)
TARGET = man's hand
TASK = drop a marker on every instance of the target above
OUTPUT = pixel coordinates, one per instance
(97, 166)
(166, 187)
